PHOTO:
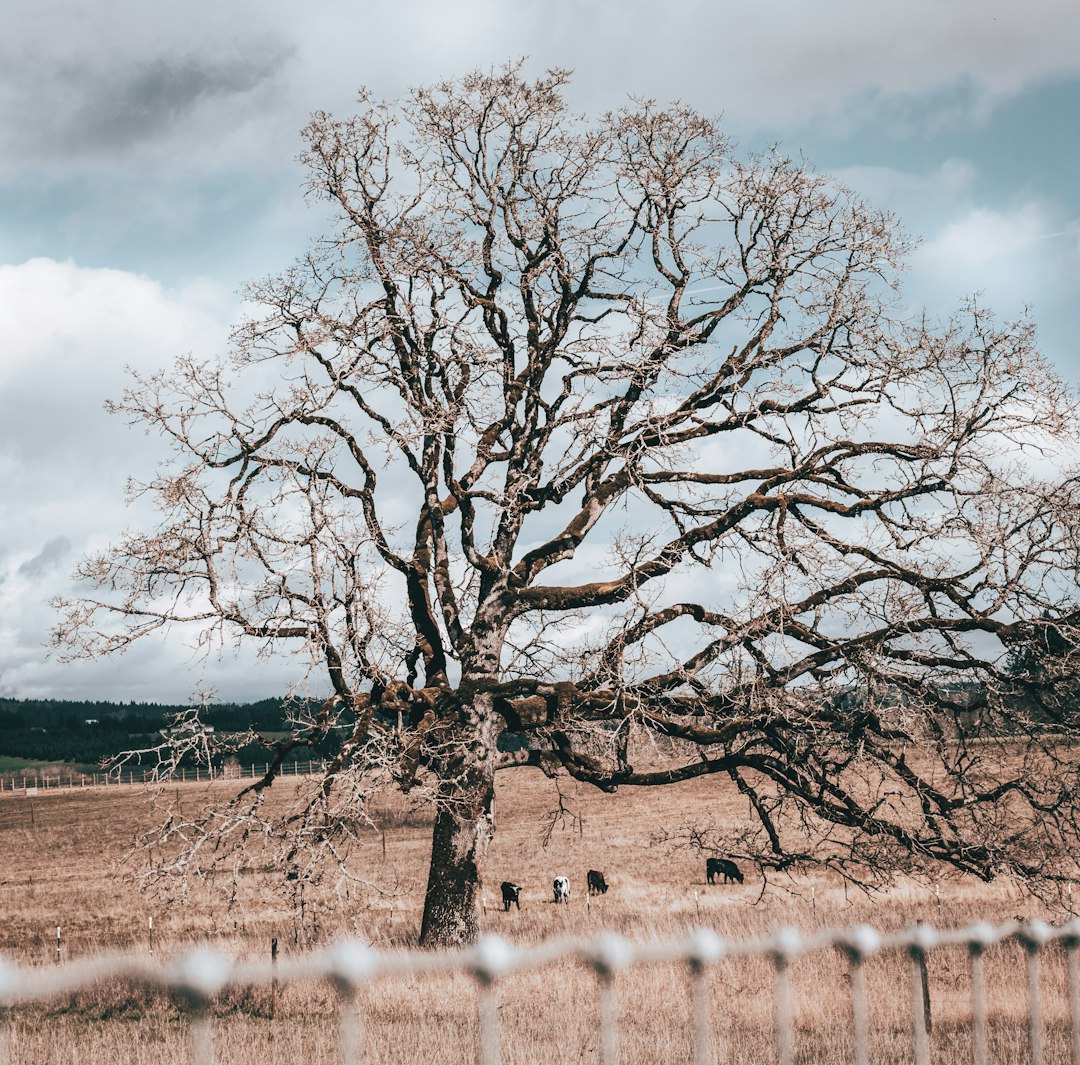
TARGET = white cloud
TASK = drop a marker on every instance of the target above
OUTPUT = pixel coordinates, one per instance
(68, 333)
(999, 253)
(957, 176)
(59, 319)
(984, 238)
(1020, 254)
(936, 191)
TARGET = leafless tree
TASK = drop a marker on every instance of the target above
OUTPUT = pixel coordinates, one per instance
(599, 436)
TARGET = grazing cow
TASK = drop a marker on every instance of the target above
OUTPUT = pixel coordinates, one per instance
(715, 867)
(511, 893)
(597, 883)
(561, 889)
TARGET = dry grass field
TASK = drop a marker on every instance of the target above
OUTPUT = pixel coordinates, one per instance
(65, 864)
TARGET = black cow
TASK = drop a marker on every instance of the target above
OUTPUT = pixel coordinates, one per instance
(724, 867)
(597, 883)
(511, 893)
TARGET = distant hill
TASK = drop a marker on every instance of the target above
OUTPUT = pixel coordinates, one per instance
(87, 731)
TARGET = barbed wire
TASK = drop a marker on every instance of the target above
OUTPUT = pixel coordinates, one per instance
(199, 976)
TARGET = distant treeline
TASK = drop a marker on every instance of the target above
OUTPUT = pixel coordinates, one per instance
(57, 730)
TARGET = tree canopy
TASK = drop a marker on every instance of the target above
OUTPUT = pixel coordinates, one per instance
(601, 435)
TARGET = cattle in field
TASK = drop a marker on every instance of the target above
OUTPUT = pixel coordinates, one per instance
(724, 867)
(561, 889)
(511, 893)
(597, 883)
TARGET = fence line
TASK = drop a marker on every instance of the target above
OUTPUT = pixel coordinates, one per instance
(197, 977)
(33, 784)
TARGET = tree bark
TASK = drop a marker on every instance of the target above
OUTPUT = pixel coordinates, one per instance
(463, 829)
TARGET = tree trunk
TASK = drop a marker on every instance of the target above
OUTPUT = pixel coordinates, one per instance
(463, 828)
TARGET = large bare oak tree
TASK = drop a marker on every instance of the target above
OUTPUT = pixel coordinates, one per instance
(599, 437)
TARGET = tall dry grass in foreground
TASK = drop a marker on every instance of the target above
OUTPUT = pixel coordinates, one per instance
(65, 860)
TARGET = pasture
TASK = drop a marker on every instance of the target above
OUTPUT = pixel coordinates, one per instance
(66, 863)
(9, 763)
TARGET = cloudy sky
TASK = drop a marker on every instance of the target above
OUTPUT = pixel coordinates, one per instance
(147, 170)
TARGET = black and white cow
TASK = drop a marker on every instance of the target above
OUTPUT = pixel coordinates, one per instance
(561, 889)
(724, 867)
(597, 883)
(511, 893)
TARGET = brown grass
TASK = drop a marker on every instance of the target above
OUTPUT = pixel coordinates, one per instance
(65, 860)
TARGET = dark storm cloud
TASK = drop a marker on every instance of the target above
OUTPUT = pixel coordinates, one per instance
(107, 107)
(48, 558)
(145, 102)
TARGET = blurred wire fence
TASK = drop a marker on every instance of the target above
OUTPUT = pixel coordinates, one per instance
(198, 977)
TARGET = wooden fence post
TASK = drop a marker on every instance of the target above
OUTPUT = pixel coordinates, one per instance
(924, 976)
(273, 978)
